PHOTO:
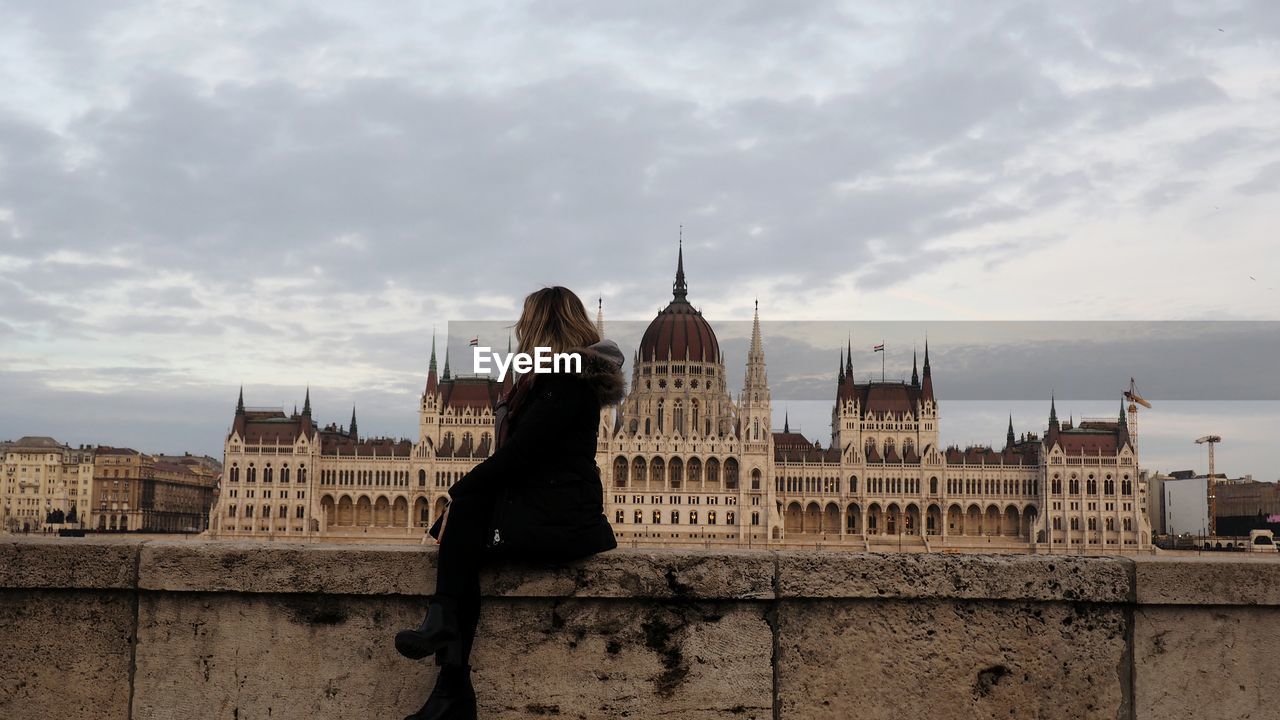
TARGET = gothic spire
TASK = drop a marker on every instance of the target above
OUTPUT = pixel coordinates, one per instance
(240, 402)
(354, 436)
(915, 378)
(306, 403)
(848, 361)
(679, 290)
(1009, 438)
(757, 347)
(786, 422)
(840, 367)
(926, 385)
(431, 369)
(446, 361)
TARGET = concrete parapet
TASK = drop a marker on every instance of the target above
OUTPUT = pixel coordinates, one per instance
(107, 628)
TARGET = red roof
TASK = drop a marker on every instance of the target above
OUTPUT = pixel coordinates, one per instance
(679, 331)
(878, 398)
(336, 443)
(476, 393)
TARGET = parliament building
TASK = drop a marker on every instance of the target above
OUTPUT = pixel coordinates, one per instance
(684, 463)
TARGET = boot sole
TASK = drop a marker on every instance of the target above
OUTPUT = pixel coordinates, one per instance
(412, 644)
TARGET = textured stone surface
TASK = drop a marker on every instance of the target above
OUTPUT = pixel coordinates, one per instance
(238, 657)
(951, 659)
(65, 654)
(285, 630)
(401, 570)
(730, 575)
(1193, 662)
(994, 577)
(66, 563)
(1212, 580)
(606, 659)
(256, 567)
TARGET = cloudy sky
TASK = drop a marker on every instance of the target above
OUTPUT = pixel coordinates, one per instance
(196, 195)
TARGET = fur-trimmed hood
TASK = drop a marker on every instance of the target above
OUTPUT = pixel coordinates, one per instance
(602, 369)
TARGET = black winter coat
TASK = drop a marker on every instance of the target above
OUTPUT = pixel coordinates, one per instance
(550, 498)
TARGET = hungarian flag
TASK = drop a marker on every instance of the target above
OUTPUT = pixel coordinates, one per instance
(474, 342)
(878, 348)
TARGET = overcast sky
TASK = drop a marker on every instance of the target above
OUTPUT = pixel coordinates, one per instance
(195, 195)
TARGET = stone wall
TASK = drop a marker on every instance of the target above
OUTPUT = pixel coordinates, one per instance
(108, 629)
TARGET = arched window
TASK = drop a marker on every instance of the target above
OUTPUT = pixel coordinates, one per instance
(660, 417)
(713, 470)
(933, 484)
(693, 471)
(422, 478)
(676, 472)
(755, 478)
(284, 473)
(302, 473)
(693, 415)
(677, 418)
(252, 474)
(266, 473)
(730, 474)
(235, 473)
(620, 472)
(657, 468)
(853, 483)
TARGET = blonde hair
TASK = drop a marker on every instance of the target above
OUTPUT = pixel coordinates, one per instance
(554, 318)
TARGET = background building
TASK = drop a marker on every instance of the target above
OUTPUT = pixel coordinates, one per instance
(685, 462)
(42, 483)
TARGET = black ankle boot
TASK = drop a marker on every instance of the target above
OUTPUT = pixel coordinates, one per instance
(452, 698)
(438, 630)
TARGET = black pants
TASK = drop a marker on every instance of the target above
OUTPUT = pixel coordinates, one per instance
(462, 554)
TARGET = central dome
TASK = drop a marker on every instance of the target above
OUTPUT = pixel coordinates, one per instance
(679, 332)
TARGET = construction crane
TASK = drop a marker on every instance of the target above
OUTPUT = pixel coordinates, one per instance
(1211, 440)
(1134, 401)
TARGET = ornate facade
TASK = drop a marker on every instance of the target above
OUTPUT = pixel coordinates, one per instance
(684, 462)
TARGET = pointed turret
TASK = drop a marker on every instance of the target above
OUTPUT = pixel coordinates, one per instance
(1051, 437)
(1122, 428)
(915, 378)
(786, 422)
(1009, 440)
(756, 414)
(848, 361)
(306, 403)
(446, 362)
(432, 382)
(926, 388)
(240, 402)
(840, 368)
(354, 436)
(679, 290)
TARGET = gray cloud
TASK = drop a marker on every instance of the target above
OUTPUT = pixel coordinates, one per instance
(270, 191)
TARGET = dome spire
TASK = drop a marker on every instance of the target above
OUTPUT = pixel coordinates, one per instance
(680, 291)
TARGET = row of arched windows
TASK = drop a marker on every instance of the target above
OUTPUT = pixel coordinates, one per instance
(1091, 485)
(268, 473)
(676, 471)
(366, 478)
